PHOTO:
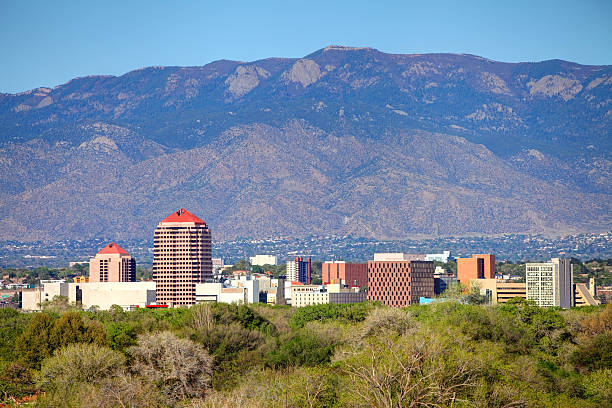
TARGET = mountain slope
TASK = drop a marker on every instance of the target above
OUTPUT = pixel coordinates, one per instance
(343, 141)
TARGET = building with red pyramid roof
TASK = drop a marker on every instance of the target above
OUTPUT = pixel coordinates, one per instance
(183, 215)
(182, 257)
(112, 248)
(112, 264)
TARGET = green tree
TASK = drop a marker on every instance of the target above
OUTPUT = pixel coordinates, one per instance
(59, 304)
(72, 328)
(34, 345)
(12, 325)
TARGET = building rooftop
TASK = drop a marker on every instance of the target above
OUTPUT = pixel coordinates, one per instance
(183, 215)
(112, 248)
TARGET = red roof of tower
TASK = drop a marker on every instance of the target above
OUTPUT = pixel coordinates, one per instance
(113, 248)
(183, 215)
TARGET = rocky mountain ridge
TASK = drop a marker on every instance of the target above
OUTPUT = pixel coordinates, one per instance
(345, 140)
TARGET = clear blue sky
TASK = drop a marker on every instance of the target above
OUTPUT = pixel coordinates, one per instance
(46, 43)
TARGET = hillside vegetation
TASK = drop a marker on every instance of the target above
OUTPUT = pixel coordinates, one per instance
(359, 355)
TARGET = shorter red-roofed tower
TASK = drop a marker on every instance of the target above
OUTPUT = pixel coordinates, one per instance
(112, 264)
(182, 257)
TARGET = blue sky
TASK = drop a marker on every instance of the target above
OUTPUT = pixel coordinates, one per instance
(46, 43)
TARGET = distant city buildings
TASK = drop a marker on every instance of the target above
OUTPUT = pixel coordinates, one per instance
(112, 264)
(181, 258)
(443, 280)
(395, 280)
(550, 283)
(476, 267)
(444, 257)
(299, 270)
(217, 263)
(351, 274)
(261, 260)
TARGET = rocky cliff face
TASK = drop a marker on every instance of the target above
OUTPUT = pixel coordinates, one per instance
(343, 141)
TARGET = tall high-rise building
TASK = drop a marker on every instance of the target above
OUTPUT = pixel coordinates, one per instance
(476, 267)
(550, 283)
(299, 270)
(351, 274)
(182, 258)
(112, 264)
(396, 282)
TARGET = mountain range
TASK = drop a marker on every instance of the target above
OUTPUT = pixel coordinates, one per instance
(345, 141)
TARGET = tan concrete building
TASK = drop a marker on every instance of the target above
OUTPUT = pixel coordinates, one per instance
(182, 258)
(112, 264)
(500, 291)
(586, 295)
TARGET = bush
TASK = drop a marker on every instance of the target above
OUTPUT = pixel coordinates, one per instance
(301, 348)
(350, 313)
(180, 368)
(384, 319)
(72, 368)
(594, 353)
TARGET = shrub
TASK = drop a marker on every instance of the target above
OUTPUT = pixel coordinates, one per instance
(350, 313)
(300, 348)
(72, 368)
(180, 368)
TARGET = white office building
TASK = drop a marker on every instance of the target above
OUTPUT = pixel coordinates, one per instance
(443, 257)
(261, 260)
(103, 295)
(550, 283)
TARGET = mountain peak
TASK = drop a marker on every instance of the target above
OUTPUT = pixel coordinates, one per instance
(346, 48)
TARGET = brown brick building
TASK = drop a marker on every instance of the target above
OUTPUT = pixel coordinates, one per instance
(182, 257)
(400, 283)
(112, 264)
(476, 267)
(351, 274)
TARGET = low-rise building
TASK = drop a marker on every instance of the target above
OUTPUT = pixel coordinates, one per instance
(216, 292)
(500, 290)
(397, 256)
(333, 293)
(586, 295)
(444, 257)
(103, 295)
(261, 260)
